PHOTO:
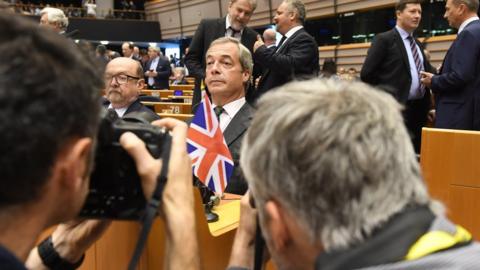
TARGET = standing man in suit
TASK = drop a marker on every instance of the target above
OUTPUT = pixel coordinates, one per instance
(228, 72)
(233, 25)
(158, 69)
(123, 82)
(457, 87)
(394, 62)
(296, 56)
(128, 51)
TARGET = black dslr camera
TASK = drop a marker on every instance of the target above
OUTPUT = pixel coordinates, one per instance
(115, 187)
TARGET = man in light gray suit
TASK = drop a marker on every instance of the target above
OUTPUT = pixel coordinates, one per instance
(227, 74)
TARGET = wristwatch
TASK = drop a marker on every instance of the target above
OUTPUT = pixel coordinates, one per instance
(52, 259)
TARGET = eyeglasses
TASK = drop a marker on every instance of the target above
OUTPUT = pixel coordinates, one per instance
(119, 78)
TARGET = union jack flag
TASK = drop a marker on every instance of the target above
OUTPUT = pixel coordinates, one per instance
(211, 160)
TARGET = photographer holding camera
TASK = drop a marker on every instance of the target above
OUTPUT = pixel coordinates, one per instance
(336, 185)
(50, 116)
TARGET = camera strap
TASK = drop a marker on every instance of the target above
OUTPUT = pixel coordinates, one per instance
(152, 207)
(259, 248)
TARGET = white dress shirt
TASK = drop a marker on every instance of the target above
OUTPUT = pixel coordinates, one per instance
(289, 34)
(467, 21)
(228, 30)
(230, 110)
(120, 111)
(153, 66)
(414, 92)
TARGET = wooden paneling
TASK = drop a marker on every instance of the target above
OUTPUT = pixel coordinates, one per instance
(114, 249)
(353, 55)
(450, 167)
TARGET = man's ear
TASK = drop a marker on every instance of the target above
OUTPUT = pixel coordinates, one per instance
(246, 76)
(277, 226)
(141, 84)
(74, 163)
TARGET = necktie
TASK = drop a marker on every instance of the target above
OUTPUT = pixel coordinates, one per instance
(416, 59)
(233, 32)
(281, 42)
(218, 111)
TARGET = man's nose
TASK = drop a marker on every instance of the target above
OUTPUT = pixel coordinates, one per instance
(214, 68)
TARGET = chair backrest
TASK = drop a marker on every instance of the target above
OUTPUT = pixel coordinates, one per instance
(451, 168)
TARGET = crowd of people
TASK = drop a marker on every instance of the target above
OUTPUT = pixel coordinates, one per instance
(87, 8)
(327, 167)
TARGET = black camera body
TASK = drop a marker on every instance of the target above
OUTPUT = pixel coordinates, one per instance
(115, 186)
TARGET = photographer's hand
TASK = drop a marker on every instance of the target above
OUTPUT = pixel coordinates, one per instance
(177, 204)
(71, 240)
(244, 243)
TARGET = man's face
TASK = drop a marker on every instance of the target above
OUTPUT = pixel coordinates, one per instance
(224, 75)
(240, 12)
(284, 18)
(409, 18)
(152, 53)
(44, 22)
(178, 75)
(452, 14)
(122, 93)
(126, 51)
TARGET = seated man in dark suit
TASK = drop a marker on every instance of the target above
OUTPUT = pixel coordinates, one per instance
(229, 67)
(157, 69)
(123, 82)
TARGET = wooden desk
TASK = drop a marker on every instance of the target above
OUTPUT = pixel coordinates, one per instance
(114, 249)
(183, 117)
(164, 93)
(186, 99)
(181, 87)
(170, 107)
(451, 168)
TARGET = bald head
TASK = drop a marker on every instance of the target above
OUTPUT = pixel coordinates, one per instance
(123, 81)
(128, 63)
(269, 37)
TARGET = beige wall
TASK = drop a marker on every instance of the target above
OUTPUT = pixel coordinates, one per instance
(192, 11)
(353, 55)
(348, 55)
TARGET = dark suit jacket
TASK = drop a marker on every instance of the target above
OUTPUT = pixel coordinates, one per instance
(163, 73)
(457, 88)
(297, 58)
(137, 106)
(207, 32)
(387, 66)
(233, 137)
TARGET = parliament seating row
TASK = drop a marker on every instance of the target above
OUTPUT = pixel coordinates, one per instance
(166, 93)
(169, 107)
(179, 116)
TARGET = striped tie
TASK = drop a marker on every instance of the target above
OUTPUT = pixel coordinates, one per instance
(418, 64)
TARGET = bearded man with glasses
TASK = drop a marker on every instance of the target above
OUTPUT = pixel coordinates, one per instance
(123, 82)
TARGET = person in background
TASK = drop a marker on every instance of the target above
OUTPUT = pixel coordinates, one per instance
(157, 69)
(55, 19)
(179, 76)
